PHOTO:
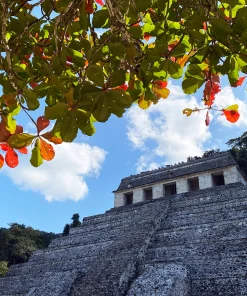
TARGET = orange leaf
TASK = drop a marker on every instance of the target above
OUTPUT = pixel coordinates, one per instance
(1, 161)
(11, 158)
(42, 123)
(146, 36)
(51, 138)
(231, 115)
(46, 150)
(182, 61)
(239, 82)
(10, 99)
(23, 150)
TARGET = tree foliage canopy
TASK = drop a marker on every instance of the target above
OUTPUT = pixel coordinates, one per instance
(239, 150)
(87, 60)
(18, 241)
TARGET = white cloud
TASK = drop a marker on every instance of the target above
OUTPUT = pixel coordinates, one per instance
(225, 98)
(63, 177)
(172, 136)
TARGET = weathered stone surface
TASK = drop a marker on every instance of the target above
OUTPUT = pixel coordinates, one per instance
(203, 233)
(162, 280)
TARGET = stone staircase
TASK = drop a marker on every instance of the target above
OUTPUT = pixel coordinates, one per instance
(91, 259)
(202, 232)
(206, 232)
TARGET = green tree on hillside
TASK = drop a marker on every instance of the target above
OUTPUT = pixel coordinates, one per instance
(18, 242)
(75, 220)
(239, 151)
(3, 268)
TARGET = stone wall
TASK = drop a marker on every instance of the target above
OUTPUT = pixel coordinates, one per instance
(231, 175)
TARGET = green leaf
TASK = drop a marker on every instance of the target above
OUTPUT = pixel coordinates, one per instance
(190, 85)
(174, 69)
(95, 74)
(10, 123)
(59, 110)
(117, 49)
(85, 122)
(222, 24)
(101, 19)
(19, 141)
(117, 78)
(36, 158)
(31, 99)
(69, 128)
(77, 57)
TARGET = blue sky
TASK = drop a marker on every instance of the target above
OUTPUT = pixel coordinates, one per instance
(84, 174)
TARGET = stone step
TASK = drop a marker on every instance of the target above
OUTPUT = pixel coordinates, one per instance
(45, 284)
(81, 264)
(235, 229)
(183, 201)
(90, 248)
(147, 210)
(228, 286)
(211, 266)
(112, 233)
(213, 207)
(115, 249)
(216, 247)
(174, 221)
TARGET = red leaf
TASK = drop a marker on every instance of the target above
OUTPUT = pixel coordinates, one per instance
(19, 129)
(1, 161)
(160, 83)
(207, 120)
(123, 87)
(33, 84)
(23, 150)
(69, 59)
(146, 36)
(239, 82)
(89, 7)
(4, 147)
(212, 87)
(46, 150)
(231, 115)
(11, 158)
(42, 123)
(100, 2)
(136, 24)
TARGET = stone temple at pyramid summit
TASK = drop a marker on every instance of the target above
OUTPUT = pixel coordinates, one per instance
(176, 231)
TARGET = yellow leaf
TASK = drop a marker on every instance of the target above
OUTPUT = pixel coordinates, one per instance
(151, 45)
(144, 104)
(232, 107)
(160, 92)
(182, 61)
(187, 112)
